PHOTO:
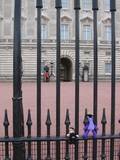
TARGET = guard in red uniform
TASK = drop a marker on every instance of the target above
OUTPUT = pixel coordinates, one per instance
(46, 73)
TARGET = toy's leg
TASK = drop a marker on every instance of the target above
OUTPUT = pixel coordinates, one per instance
(85, 135)
(94, 133)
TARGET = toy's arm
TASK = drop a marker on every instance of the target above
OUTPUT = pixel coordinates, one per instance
(85, 127)
(96, 128)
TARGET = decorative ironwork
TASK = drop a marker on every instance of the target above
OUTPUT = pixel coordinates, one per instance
(48, 143)
(6, 124)
(103, 121)
(29, 124)
(48, 124)
(67, 123)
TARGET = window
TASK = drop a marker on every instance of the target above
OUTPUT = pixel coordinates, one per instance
(64, 31)
(44, 4)
(107, 5)
(7, 9)
(65, 4)
(7, 28)
(108, 68)
(108, 53)
(87, 32)
(23, 25)
(86, 4)
(1, 28)
(30, 8)
(87, 52)
(1, 7)
(30, 28)
(108, 33)
(44, 31)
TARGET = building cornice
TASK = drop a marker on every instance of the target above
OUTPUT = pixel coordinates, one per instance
(106, 19)
(89, 18)
(66, 17)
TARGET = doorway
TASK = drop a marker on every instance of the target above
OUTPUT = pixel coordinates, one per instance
(66, 69)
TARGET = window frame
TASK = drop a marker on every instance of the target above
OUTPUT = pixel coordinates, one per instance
(1, 27)
(67, 4)
(107, 5)
(45, 6)
(106, 69)
(108, 53)
(9, 21)
(86, 52)
(46, 32)
(64, 36)
(106, 31)
(86, 31)
(23, 28)
(85, 5)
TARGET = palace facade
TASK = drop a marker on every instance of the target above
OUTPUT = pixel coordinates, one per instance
(29, 45)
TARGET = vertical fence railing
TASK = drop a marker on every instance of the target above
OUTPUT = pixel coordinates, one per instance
(67, 123)
(48, 124)
(119, 144)
(119, 153)
(85, 157)
(29, 124)
(103, 122)
(77, 37)
(6, 124)
(18, 119)
(39, 7)
(95, 87)
(113, 44)
(58, 7)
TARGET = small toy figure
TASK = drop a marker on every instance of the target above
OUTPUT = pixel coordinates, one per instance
(72, 136)
(90, 127)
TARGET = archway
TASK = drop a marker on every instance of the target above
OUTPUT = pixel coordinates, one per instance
(66, 69)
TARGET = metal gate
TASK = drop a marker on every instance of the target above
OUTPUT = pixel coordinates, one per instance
(18, 147)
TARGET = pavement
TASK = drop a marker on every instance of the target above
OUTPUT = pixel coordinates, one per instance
(67, 102)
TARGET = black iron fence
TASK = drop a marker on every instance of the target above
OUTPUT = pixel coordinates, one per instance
(67, 150)
(6, 148)
(105, 147)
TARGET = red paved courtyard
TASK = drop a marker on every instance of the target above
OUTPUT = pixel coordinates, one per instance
(67, 101)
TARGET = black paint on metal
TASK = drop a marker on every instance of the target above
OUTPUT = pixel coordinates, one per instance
(48, 124)
(85, 157)
(6, 125)
(77, 57)
(18, 119)
(39, 7)
(95, 87)
(58, 7)
(67, 123)
(103, 121)
(113, 76)
(29, 124)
